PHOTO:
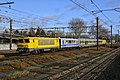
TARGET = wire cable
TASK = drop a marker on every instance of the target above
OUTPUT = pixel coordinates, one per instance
(100, 11)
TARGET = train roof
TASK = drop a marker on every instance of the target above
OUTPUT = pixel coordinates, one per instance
(60, 38)
(36, 38)
(89, 39)
(69, 38)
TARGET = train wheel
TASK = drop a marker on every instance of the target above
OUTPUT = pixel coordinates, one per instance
(33, 52)
(53, 50)
(39, 51)
(42, 50)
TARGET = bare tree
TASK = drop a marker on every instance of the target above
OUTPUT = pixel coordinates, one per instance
(6, 31)
(77, 26)
(103, 33)
(42, 32)
(37, 32)
(49, 32)
(59, 33)
(24, 33)
(69, 35)
(16, 32)
(31, 32)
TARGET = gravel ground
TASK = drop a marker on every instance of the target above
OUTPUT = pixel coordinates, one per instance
(43, 65)
(112, 72)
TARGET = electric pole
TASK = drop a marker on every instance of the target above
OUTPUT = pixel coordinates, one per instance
(97, 32)
(118, 36)
(111, 36)
(10, 34)
(4, 3)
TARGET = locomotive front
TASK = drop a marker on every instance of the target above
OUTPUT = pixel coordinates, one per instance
(23, 45)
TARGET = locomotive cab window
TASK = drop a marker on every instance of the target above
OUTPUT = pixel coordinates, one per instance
(26, 40)
(20, 40)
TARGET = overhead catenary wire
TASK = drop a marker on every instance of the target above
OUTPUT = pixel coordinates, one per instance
(22, 12)
(27, 14)
(82, 7)
(22, 17)
(13, 15)
(100, 10)
(87, 10)
(90, 12)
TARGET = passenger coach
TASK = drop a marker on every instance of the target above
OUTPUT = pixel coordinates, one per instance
(90, 42)
(68, 42)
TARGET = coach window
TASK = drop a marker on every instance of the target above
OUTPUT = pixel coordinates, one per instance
(63, 41)
(79, 41)
(73, 41)
(76, 41)
(26, 40)
(33, 40)
(66, 41)
(20, 41)
(83, 41)
(86, 42)
(69, 41)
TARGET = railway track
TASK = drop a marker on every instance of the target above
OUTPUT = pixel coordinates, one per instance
(52, 66)
(99, 66)
(90, 70)
(2, 52)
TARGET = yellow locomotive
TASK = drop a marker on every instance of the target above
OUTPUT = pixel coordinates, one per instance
(37, 44)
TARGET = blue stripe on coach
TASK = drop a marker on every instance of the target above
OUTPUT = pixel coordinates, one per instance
(69, 45)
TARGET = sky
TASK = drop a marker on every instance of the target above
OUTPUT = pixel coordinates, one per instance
(59, 12)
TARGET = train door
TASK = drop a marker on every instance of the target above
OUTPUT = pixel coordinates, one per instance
(86, 42)
(63, 43)
(60, 43)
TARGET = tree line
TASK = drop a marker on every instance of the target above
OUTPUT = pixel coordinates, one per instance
(76, 30)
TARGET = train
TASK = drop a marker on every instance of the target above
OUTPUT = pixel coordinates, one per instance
(33, 45)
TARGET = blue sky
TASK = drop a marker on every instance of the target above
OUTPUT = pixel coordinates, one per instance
(60, 12)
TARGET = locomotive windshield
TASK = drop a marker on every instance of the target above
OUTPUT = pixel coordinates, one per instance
(26, 40)
(23, 40)
(20, 41)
